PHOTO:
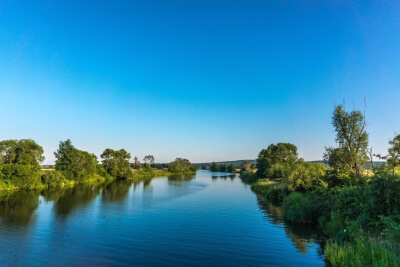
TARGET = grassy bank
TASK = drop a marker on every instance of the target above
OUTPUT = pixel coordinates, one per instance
(360, 222)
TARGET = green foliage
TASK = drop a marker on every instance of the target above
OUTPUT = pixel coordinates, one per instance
(54, 179)
(231, 168)
(214, 167)
(270, 189)
(362, 252)
(181, 165)
(116, 163)
(276, 161)
(384, 196)
(24, 151)
(73, 163)
(147, 167)
(149, 159)
(306, 176)
(246, 166)
(136, 164)
(103, 173)
(248, 176)
(393, 156)
(352, 152)
(297, 208)
(22, 176)
(20, 163)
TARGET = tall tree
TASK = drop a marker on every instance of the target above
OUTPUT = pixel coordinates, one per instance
(116, 163)
(149, 159)
(352, 139)
(276, 160)
(21, 162)
(73, 163)
(136, 163)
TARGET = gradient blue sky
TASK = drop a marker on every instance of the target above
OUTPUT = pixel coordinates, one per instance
(203, 80)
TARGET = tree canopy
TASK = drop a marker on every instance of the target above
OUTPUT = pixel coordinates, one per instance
(274, 161)
(351, 155)
(73, 163)
(116, 163)
(180, 165)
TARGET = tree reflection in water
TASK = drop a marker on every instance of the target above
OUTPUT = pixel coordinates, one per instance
(116, 191)
(302, 235)
(17, 208)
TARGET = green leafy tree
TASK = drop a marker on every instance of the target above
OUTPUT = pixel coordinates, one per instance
(73, 163)
(21, 162)
(136, 163)
(116, 163)
(232, 168)
(214, 167)
(180, 165)
(276, 160)
(306, 176)
(393, 156)
(149, 159)
(245, 166)
(223, 167)
(351, 155)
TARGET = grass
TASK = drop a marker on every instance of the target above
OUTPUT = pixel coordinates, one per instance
(362, 252)
(270, 189)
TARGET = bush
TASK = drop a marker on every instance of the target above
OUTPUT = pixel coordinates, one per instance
(54, 179)
(297, 208)
(270, 189)
(22, 176)
(306, 176)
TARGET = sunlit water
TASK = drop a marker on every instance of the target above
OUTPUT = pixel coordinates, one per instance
(207, 219)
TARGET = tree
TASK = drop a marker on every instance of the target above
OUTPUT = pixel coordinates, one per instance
(393, 156)
(24, 151)
(214, 167)
(136, 163)
(149, 159)
(306, 176)
(21, 162)
(276, 160)
(73, 163)
(352, 152)
(180, 165)
(232, 168)
(116, 163)
(245, 166)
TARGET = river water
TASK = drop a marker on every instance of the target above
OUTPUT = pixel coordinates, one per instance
(206, 219)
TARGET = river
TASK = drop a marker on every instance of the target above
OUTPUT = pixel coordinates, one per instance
(206, 219)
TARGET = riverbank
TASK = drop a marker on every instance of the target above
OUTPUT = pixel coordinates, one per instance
(359, 222)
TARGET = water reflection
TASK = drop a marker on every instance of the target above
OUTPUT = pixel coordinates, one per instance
(302, 235)
(72, 198)
(17, 208)
(116, 191)
(223, 176)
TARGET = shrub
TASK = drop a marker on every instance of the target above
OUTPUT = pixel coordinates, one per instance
(54, 179)
(297, 208)
(22, 176)
(270, 189)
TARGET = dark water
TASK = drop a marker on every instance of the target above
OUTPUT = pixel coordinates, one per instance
(207, 219)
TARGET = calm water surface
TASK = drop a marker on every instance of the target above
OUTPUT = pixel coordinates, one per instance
(207, 219)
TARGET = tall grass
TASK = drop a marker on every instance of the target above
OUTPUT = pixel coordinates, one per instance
(362, 252)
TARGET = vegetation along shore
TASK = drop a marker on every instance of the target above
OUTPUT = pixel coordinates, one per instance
(358, 210)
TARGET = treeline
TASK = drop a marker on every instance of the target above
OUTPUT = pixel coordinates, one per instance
(357, 209)
(20, 165)
(224, 167)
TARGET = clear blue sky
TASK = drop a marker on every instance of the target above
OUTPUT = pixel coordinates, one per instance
(203, 80)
